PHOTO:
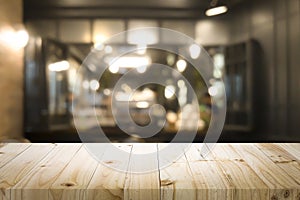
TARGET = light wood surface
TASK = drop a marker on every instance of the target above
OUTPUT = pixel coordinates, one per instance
(230, 171)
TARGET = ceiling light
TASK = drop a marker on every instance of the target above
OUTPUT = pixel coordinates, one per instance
(94, 85)
(169, 91)
(195, 51)
(213, 91)
(15, 38)
(216, 11)
(113, 69)
(59, 66)
(129, 62)
(142, 104)
(181, 65)
(107, 92)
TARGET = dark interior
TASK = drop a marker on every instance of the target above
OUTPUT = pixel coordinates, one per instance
(260, 42)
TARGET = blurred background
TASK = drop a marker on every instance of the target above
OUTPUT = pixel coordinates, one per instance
(254, 45)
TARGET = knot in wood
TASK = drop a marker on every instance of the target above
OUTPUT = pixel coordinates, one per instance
(166, 182)
(274, 197)
(286, 194)
(69, 184)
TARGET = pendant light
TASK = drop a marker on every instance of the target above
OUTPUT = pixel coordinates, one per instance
(216, 8)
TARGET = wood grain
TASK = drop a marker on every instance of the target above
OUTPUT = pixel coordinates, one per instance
(210, 181)
(247, 185)
(10, 151)
(37, 183)
(143, 185)
(228, 171)
(108, 183)
(293, 149)
(193, 153)
(287, 162)
(280, 185)
(176, 180)
(21, 165)
(166, 156)
(73, 180)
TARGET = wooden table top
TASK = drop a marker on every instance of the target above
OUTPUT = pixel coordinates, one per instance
(231, 171)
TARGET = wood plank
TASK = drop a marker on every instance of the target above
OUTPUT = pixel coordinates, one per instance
(247, 185)
(4, 194)
(245, 181)
(225, 152)
(276, 153)
(37, 183)
(176, 181)
(74, 179)
(220, 151)
(293, 149)
(193, 153)
(9, 151)
(281, 186)
(144, 185)
(230, 171)
(21, 165)
(107, 182)
(210, 181)
(297, 195)
(166, 158)
(283, 159)
(205, 150)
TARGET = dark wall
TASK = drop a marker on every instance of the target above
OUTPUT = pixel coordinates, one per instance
(275, 25)
(151, 9)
